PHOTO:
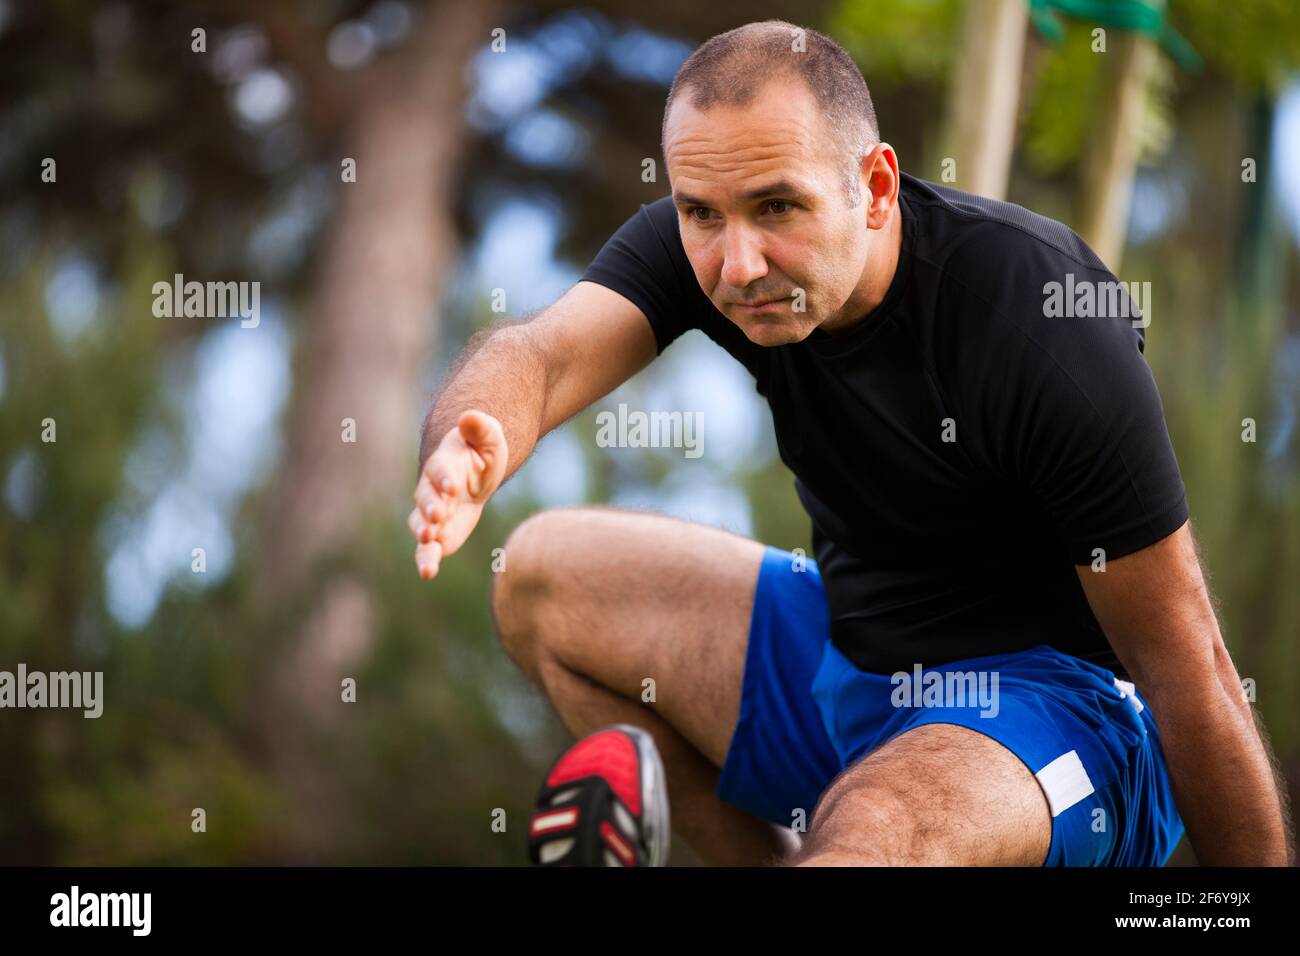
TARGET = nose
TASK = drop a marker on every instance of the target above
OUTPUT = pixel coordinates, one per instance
(743, 259)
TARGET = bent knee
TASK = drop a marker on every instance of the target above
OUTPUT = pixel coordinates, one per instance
(857, 820)
(527, 580)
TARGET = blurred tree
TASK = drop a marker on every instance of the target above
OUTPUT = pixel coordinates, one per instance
(366, 336)
(985, 95)
(228, 164)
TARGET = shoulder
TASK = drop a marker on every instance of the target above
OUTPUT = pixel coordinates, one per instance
(654, 223)
(1025, 319)
(645, 262)
(663, 213)
(1001, 271)
(989, 245)
(647, 241)
(958, 217)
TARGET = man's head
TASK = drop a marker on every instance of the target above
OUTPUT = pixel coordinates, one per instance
(774, 105)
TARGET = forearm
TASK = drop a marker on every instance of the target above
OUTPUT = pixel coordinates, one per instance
(503, 374)
(1222, 773)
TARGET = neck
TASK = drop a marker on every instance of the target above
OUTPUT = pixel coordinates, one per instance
(871, 292)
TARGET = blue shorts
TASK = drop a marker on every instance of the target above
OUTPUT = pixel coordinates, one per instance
(807, 712)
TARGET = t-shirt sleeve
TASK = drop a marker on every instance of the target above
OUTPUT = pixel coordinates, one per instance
(636, 262)
(1063, 408)
(1087, 436)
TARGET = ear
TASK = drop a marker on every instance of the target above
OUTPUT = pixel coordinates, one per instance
(880, 169)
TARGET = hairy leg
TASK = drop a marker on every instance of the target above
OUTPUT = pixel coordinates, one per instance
(596, 601)
(936, 795)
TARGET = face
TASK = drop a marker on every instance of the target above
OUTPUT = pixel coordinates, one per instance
(764, 218)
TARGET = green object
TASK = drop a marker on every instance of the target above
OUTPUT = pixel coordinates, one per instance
(1138, 16)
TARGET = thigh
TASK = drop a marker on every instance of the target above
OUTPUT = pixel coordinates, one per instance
(629, 596)
(938, 795)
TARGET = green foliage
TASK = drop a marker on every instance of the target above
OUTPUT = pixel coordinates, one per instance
(413, 763)
(1065, 102)
(1245, 508)
(445, 727)
(1070, 92)
(897, 42)
(1255, 44)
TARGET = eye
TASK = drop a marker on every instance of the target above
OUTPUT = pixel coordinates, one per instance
(780, 202)
(690, 213)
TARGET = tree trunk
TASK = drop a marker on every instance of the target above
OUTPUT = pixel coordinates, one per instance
(364, 339)
(985, 97)
(1110, 162)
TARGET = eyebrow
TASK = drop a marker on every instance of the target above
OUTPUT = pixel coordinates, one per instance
(780, 188)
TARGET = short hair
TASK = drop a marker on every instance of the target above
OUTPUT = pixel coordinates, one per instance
(731, 68)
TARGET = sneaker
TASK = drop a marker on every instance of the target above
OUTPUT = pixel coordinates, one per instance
(604, 803)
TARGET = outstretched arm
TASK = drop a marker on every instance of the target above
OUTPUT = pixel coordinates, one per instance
(520, 382)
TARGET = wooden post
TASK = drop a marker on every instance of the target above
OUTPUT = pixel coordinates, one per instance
(1110, 160)
(985, 95)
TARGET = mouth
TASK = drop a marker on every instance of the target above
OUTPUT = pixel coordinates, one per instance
(760, 307)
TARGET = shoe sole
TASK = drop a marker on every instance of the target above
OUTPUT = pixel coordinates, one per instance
(655, 820)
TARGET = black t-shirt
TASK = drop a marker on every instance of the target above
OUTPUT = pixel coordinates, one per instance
(936, 550)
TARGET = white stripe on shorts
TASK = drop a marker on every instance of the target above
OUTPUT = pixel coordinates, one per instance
(1065, 782)
(1126, 689)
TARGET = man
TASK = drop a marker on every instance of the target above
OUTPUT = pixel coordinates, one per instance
(1004, 652)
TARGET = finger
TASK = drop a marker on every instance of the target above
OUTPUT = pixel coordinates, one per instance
(482, 434)
(476, 429)
(427, 559)
(416, 522)
(439, 511)
(423, 529)
(429, 551)
(431, 499)
(485, 440)
(474, 480)
(424, 496)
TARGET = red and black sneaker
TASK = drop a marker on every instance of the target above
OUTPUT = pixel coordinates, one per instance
(604, 803)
